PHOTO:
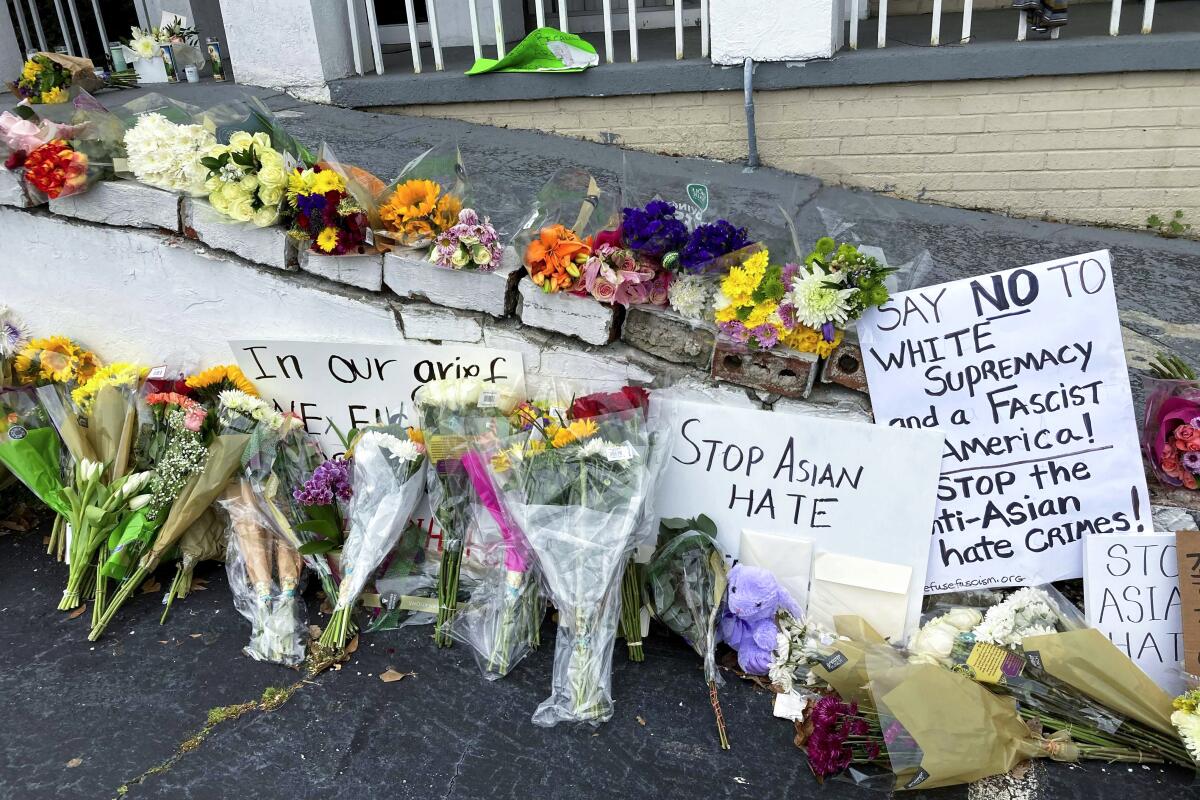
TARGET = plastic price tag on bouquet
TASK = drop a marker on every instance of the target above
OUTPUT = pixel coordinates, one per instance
(619, 452)
(489, 398)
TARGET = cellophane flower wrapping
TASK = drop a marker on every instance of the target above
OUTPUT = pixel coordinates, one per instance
(425, 199)
(577, 491)
(453, 414)
(388, 479)
(30, 447)
(1171, 430)
(164, 141)
(554, 238)
(333, 206)
(85, 149)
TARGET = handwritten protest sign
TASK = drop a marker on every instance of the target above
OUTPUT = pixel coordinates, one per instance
(849, 487)
(328, 384)
(1188, 553)
(1131, 593)
(1025, 373)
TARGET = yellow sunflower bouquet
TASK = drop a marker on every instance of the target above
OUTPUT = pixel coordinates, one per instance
(425, 200)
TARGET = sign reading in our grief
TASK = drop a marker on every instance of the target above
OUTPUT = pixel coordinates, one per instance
(1131, 587)
(1024, 372)
(328, 384)
(849, 487)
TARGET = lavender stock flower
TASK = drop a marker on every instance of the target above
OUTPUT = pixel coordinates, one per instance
(654, 230)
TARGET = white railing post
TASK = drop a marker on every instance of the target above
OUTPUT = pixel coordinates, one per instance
(413, 41)
(83, 49)
(966, 30)
(935, 34)
(26, 40)
(352, 16)
(37, 26)
(540, 10)
(562, 17)
(1147, 16)
(1055, 33)
(498, 19)
(854, 24)
(1114, 19)
(373, 31)
(1022, 26)
(99, 24)
(678, 29)
(881, 39)
(473, 13)
(704, 28)
(62, 25)
(608, 32)
(633, 32)
(431, 12)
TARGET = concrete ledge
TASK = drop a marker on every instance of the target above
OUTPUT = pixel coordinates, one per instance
(13, 192)
(1085, 55)
(664, 333)
(780, 371)
(365, 272)
(122, 203)
(411, 276)
(581, 317)
(271, 247)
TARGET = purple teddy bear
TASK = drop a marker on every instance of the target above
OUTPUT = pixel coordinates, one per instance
(748, 616)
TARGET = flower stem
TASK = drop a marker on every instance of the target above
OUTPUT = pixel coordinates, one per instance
(716, 705)
(631, 608)
(448, 577)
(127, 588)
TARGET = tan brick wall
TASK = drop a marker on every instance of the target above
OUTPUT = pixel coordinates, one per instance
(1098, 148)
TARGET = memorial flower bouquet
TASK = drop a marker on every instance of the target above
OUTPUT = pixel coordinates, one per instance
(167, 154)
(388, 477)
(1186, 719)
(43, 80)
(22, 133)
(327, 218)
(247, 178)
(471, 243)
(452, 414)
(621, 275)
(753, 308)
(56, 169)
(1171, 427)
(54, 360)
(577, 490)
(556, 242)
(30, 448)
(426, 199)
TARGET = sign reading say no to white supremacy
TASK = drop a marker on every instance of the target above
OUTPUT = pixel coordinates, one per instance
(1024, 371)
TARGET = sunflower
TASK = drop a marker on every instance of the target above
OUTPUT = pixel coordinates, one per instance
(411, 199)
(446, 214)
(211, 382)
(51, 360)
(583, 428)
(86, 365)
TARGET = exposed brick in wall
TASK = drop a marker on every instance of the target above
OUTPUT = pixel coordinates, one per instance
(1099, 148)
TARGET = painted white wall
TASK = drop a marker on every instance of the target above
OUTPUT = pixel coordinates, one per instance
(135, 295)
(774, 30)
(11, 57)
(297, 45)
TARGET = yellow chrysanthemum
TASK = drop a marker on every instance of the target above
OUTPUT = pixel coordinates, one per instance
(226, 376)
(414, 198)
(824, 348)
(55, 95)
(583, 428)
(757, 264)
(327, 181)
(31, 70)
(740, 284)
(327, 239)
(537, 446)
(501, 462)
(726, 314)
(761, 313)
(119, 374)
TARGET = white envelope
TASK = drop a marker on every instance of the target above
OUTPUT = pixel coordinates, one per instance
(877, 591)
(787, 558)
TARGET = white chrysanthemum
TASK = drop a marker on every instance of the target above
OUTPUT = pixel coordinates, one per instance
(402, 449)
(1188, 725)
(1026, 612)
(451, 393)
(689, 297)
(816, 301)
(13, 333)
(166, 155)
(593, 447)
(143, 44)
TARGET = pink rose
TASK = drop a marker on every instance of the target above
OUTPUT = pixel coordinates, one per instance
(1189, 480)
(603, 290)
(1168, 450)
(1171, 466)
(1194, 446)
(1185, 433)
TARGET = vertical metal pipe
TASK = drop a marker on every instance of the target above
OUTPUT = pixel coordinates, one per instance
(751, 134)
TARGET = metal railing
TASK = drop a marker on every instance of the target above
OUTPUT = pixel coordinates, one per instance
(935, 33)
(76, 46)
(563, 22)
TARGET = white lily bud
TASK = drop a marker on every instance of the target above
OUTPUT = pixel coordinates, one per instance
(139, 502)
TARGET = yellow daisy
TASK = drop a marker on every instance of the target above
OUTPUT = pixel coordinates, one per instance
(582, 428)
(327, 239)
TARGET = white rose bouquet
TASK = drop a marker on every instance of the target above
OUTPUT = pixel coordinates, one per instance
(247, 178)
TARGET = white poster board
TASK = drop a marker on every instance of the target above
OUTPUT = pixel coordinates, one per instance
(1024, 371)
(330, 384)
(850, 488)
(1131, 593)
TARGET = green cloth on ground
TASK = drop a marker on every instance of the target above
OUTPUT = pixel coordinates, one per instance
(543, 50)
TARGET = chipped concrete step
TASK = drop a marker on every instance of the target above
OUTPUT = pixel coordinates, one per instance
(581, 317)
(271, 247)
(410, 275)
(123, 203)
(13, 191)
(365, 272)
(664, 333)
